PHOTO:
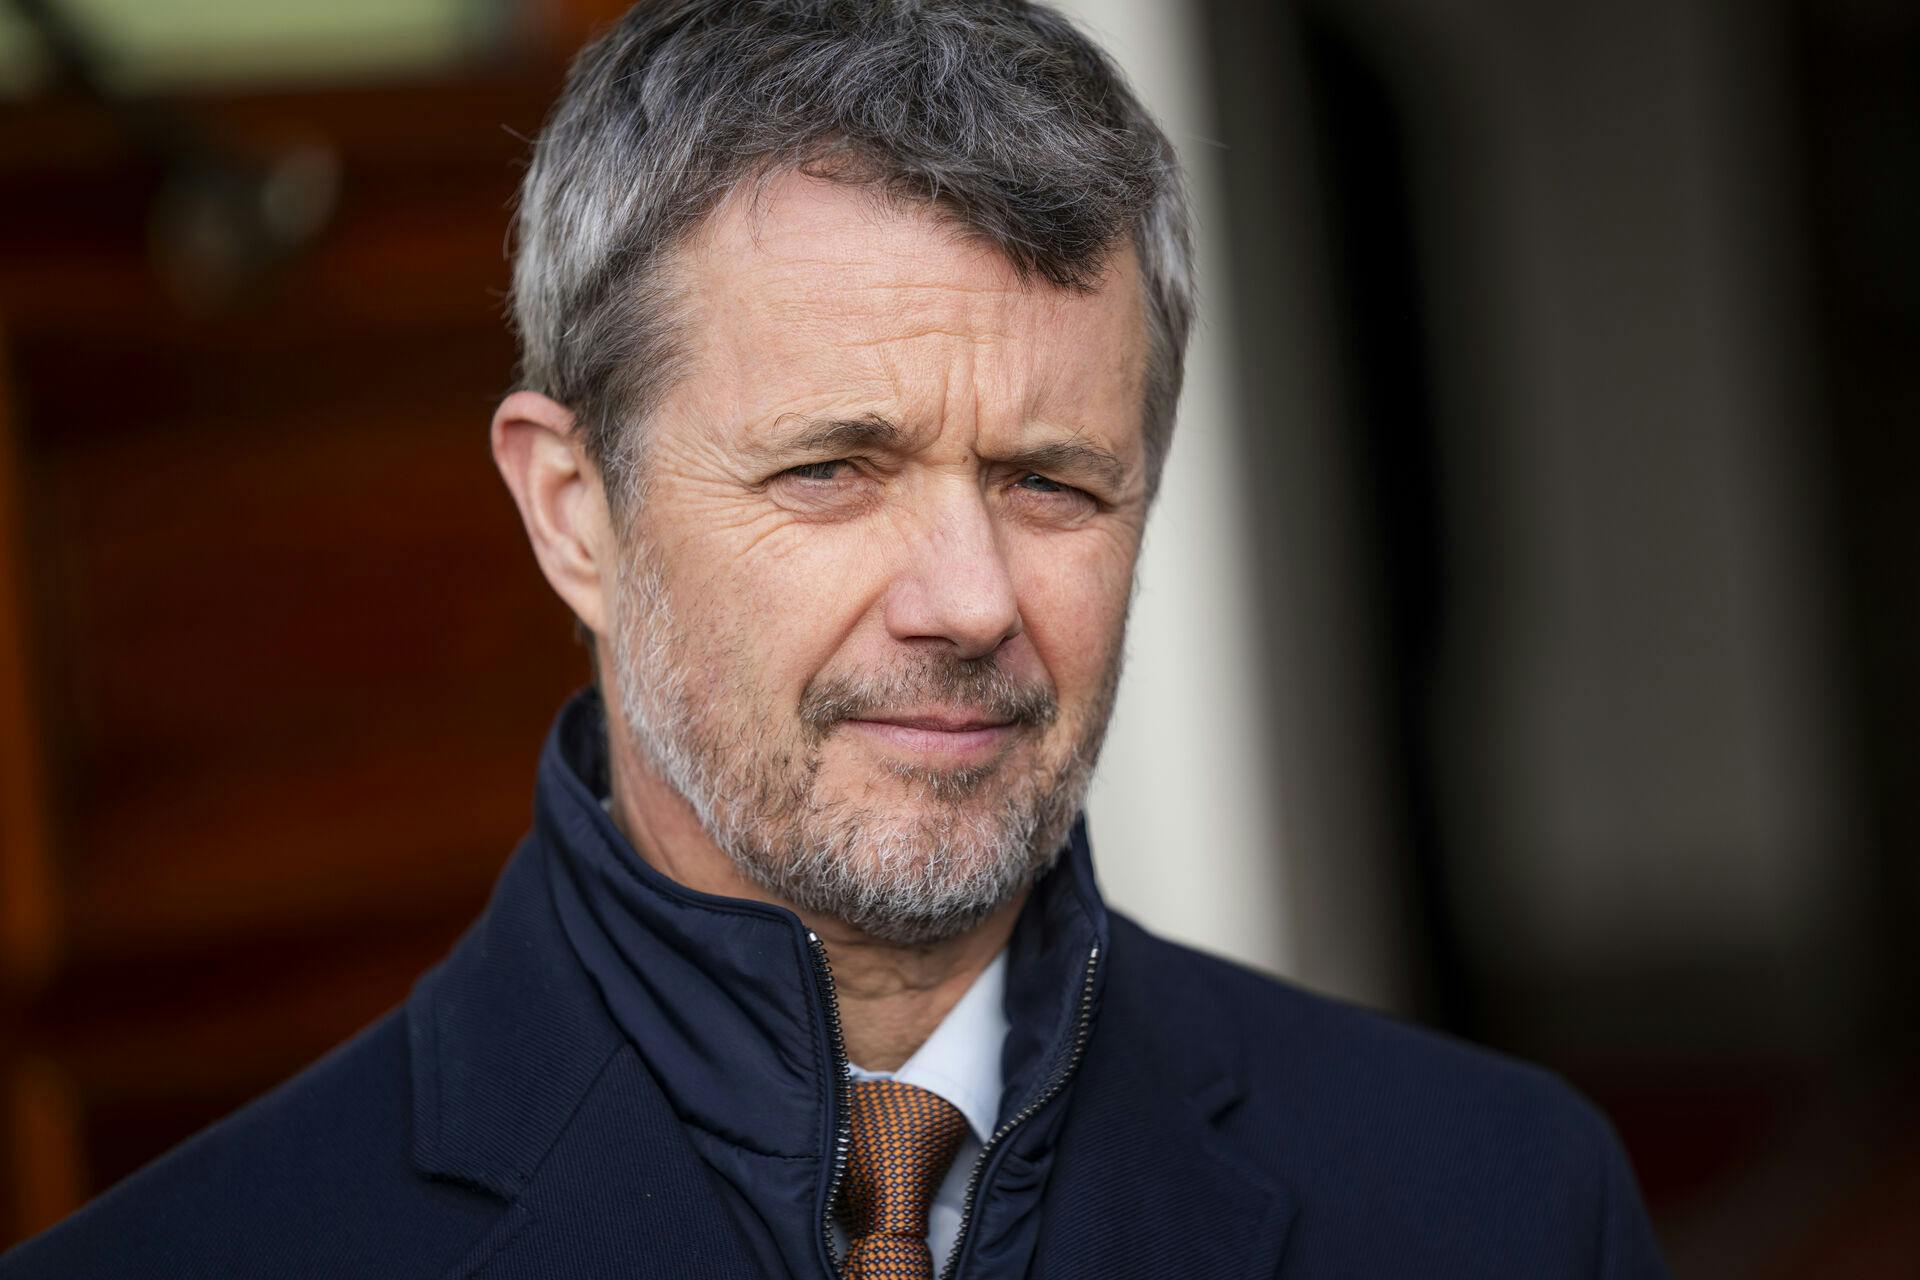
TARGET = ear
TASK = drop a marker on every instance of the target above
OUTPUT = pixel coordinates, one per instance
(561, 501)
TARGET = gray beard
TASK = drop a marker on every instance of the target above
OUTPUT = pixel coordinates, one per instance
(906, 878)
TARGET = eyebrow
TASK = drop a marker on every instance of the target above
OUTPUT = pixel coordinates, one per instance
(871, 431)
(1070, 457)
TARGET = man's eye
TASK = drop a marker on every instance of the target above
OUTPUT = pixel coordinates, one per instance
(816, 470)
(1037, 483)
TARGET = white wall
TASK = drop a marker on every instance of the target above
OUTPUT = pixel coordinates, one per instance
(1183, 812)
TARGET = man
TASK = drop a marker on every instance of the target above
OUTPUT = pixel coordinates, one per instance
(852, 335)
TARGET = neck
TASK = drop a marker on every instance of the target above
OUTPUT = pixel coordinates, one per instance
(891, 996)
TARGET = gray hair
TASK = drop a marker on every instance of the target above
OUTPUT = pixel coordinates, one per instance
(998, 112)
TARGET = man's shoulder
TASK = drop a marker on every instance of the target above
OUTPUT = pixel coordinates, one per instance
(1284, 1037)
(1392, 1136)
(312, 1178)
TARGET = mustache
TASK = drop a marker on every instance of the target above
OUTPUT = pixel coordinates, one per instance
(974, 685)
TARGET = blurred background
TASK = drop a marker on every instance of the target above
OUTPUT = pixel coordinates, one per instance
(1527, 642)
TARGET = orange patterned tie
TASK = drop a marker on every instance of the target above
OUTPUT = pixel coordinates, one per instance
(901, 1141)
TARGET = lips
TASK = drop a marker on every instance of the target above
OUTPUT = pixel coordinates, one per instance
(939, 723)
(957, 737)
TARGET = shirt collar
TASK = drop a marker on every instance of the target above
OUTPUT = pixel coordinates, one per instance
(960, 1061)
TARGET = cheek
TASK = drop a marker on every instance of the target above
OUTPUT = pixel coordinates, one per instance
(1073, 607)
(788, 601)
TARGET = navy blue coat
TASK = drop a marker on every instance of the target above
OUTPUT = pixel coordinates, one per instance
(612, 1076)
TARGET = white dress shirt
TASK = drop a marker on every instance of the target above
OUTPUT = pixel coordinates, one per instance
(960, 1061)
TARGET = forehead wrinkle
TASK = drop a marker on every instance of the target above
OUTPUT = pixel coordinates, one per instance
(798, 329)
(880, 313)
(888, 339)
(875, 270)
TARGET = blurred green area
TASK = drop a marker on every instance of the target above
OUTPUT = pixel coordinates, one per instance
(146, 45)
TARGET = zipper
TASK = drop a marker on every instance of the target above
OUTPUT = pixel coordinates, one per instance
(843, 1096)
(1081, 1028)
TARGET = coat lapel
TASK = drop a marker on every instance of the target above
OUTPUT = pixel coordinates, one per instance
(1143, 1183)
(524, 1088)
(621, 1194)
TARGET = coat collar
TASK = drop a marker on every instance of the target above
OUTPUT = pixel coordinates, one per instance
(525, 1036)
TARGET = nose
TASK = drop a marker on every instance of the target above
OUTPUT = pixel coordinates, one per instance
(955, 586)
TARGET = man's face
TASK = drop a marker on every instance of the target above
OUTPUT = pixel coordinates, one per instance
(871, 605)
